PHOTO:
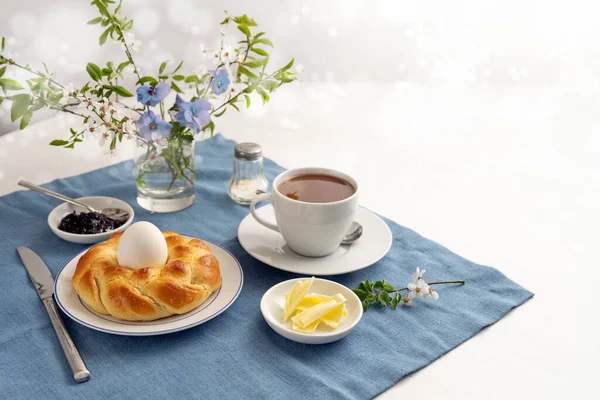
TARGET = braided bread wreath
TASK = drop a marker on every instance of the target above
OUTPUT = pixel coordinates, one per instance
(190, 275)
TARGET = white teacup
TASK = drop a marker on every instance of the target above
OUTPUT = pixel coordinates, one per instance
(310, 229)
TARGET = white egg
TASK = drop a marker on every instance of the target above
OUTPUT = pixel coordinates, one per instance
(141, 245)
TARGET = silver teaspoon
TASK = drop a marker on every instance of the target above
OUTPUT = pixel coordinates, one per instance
(113, 213)
(354, 232)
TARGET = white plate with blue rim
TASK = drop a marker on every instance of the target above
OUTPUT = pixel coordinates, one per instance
(232, 279)
(269, 246)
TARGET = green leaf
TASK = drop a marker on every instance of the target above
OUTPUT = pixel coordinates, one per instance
(288, 65)
(192, 78)
(247, 101)
(271, 85)
(221, 113)
(178, 77)
(365, 286)
(396, 300)
(259, 34)
(244, 19)
(361, 294)
(162, 67)
(177, 69)
(94, 71)
(94, 21)
(10, 84)
(259, 51)
(123, 65)
(367, 301)
(140, 181)
(378, 285)
(254, 63)
(104, 35)
(25, 119)
(148, 79)
(3, 44)
(234, 106)
(245, 71)
(384, 298)
(128, 25)
(244, 29)
(118, 9)
(58, 142)
(176, 88)
(263, 41)
(19, 106)
(264, 95)
(2, 70)
(387, 287)
(210, 127)
(102, 8)
(120, 90)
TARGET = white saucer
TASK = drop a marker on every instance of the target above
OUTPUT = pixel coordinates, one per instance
(232, 278)
(269, 246)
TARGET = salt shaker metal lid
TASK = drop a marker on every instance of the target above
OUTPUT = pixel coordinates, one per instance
(248, 151)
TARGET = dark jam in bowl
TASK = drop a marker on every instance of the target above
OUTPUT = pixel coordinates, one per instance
(87, 223)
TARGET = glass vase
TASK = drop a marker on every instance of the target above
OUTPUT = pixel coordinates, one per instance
(166, 175)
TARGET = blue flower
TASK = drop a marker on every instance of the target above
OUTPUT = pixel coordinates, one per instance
(220, 81)
(151, 127)
(194, 115)
(152, 95)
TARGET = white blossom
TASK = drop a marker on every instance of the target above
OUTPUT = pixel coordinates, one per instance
(131, 42)
(235, 88)
(407, 302)
(417, 289)
(67, 93)
(129, 127)
(431, 294)
(203, 51)
(89, 103)
(228, 54)
(418, 274)
(103, 138)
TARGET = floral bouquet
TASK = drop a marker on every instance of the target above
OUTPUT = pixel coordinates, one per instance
(168, 133)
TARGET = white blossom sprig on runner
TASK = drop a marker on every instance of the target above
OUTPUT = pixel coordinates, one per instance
(381, 292)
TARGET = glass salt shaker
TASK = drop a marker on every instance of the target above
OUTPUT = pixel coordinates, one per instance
(248, 180)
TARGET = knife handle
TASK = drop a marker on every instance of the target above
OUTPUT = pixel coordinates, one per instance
(80, 372)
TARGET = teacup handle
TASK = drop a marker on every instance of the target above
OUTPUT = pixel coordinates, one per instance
(255, 201)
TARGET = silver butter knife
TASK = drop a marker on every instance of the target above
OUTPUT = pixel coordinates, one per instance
(44, 284)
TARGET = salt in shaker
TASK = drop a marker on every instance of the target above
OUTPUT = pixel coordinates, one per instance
(248, 179)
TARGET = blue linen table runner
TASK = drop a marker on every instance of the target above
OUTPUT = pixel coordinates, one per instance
(235, 355)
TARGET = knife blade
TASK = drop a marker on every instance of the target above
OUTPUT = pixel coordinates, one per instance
(44, 285)
(38, 272)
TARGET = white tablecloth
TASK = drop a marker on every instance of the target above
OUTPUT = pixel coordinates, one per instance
(504, 178)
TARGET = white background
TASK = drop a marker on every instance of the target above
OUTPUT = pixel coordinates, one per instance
(476, 123)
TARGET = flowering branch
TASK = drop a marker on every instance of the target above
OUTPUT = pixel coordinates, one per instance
(368, 292)
(238, 71)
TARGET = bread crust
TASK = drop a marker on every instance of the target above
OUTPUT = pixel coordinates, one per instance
(190, 275)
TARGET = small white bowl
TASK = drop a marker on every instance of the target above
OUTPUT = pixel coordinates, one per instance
(273, 303)
(97, 202)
